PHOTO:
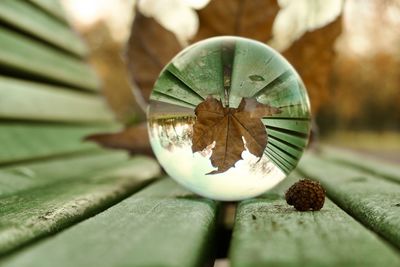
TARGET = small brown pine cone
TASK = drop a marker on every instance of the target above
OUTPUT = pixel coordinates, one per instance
(306, 195)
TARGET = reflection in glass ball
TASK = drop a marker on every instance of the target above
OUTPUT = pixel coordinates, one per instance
(229, 118)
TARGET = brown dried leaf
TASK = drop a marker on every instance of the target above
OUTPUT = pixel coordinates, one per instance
(149, 49)
(133, 139)
(313, 57)
(226, 126)
(247, 18)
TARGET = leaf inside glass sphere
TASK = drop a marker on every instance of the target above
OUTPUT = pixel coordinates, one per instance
(227, 127)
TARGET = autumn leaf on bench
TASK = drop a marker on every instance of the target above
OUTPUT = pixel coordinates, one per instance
(226, 126)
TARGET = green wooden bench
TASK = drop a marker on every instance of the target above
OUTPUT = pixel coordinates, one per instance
(65, 202)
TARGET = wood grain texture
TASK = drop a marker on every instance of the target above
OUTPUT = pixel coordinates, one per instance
(201, 69)
(160, 97)
(36, 101)
(26, 176)
(373, 201)
(268, 232)
(253, 60)
(27, 141)
(363, 162)
(169, 85)
(287, 93)
(162, 225)
(23, 54)
(29, 215)
(33, 20)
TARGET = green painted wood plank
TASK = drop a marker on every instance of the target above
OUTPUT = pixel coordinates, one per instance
(26, 141)
(26, 100)
(162, 225)
(52, 7)
(282, 82)
(291, 112)
(294, 151)
(290, 97)
(287, 159)
(289, 91)
(171, 86)
(157, 96)
(201, 69)
(362, 161)
(36, 213)
(373, 201)
(35, 101)
(268, 232)
(33, 20)
(282, 97)
(252, 60)
(291, 138)
(278, 161)
(28, 56)
(26, 176)
(301, 126)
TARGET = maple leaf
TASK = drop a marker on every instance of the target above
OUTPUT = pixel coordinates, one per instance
(227, 127)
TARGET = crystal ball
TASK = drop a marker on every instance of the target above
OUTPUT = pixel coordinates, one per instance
(228, 118)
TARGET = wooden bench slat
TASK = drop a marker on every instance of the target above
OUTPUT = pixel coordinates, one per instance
(52, 7)
(170, 100)
(172, 87)
(251, 60)
(29, 18)
(42, 211)
(162, 225)
(26, 141)
(26, 176)
(268, 232)
(36, 101)
(301, 126)
(364, 162)
(31, 57)
(373, 201)
(291, 150)
(189, 68)
(277, 160)
(291, 138)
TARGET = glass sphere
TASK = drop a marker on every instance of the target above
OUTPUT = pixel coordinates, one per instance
(228, 118)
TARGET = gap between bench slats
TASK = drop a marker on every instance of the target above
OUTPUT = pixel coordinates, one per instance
(372, 200)
(25, 177)
(162, 225)
(27, 141)
(268, 232)
(23, 54)
(35, 101)
(31, 19)
(31, 214)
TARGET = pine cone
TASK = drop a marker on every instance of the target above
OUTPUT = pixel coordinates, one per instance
(306, 195)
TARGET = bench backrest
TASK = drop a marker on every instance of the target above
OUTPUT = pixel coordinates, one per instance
(49, 96)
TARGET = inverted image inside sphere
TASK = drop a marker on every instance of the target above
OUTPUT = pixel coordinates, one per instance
(229, 118)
